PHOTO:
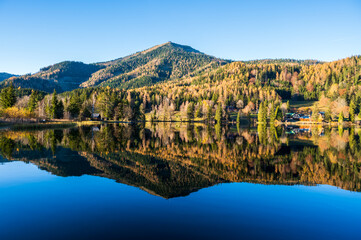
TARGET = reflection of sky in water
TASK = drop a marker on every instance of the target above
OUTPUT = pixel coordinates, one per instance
(14, 173)
(37, 205)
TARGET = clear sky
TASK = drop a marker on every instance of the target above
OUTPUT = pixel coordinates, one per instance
(37, 33)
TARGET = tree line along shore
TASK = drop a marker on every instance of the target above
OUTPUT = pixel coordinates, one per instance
(263, 92)
(113, 105)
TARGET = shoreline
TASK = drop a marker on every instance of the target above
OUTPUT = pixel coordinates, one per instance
(62, 123)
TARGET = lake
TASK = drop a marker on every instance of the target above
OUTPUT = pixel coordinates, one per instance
(179, 181)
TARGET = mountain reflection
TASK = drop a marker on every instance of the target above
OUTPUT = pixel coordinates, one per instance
(172, 160)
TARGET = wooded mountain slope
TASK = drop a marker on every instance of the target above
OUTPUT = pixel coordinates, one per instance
(5, 75)
(254, 82)
(160, 63)
(63, 76)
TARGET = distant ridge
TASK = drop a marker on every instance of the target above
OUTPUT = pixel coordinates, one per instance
(4, 75)
(62, 76)
(283, 61)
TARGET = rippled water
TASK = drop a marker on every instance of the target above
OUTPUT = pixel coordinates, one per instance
(173, 181)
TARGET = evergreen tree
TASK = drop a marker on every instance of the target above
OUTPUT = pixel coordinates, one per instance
(56, 107)
(74, 106)
(53, 105)
(209, 113)
(218, 129)
(190, 111)
(219, 114)
(34, 100)
(262, 113)
(84, 112)
(11, 96)
(141, 113)
(352, 110)
(59, 110)
(7, 97)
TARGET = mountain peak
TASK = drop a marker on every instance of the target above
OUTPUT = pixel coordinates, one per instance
(183, 47)
(171, 45)
(155, 47)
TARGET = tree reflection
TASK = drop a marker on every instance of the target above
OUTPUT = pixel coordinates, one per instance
(173, 160)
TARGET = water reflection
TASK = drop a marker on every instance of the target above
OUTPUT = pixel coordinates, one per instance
(173, 160)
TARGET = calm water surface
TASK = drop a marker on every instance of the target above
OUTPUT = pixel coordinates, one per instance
(170, 181)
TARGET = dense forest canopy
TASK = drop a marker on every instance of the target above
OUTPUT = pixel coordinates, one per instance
(172, 81)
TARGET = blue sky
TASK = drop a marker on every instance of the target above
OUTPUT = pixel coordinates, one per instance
(37, 33)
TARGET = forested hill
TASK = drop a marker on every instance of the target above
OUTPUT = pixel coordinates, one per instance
(63, 76)
(4, 75)
(259, 81)
(160, 63)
